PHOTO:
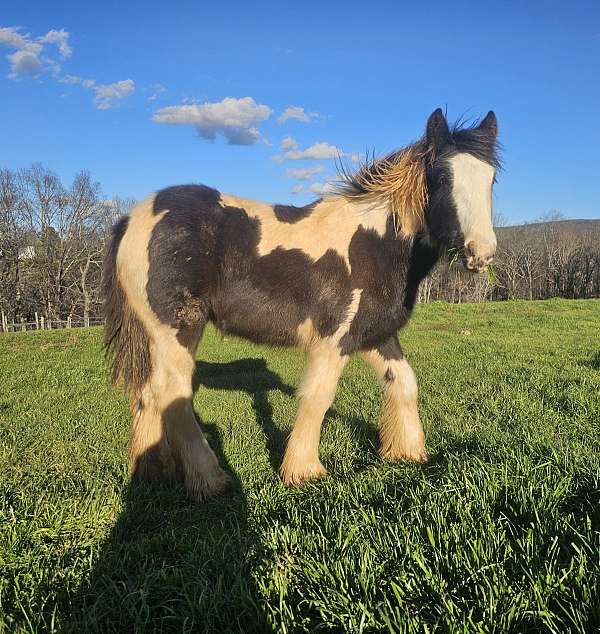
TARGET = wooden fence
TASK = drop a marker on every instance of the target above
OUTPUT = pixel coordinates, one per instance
(43, 323)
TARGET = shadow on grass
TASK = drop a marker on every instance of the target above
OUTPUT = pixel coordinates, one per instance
(593, 363)
(173, 565)
(253, 377)
(365, 434)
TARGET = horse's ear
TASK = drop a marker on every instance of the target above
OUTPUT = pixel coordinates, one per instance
(437, 129)
(490, 124)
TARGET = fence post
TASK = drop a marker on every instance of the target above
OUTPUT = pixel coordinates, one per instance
(23, 327)
(37, 321)
(42, 322)
(69, 321)
(4, 322)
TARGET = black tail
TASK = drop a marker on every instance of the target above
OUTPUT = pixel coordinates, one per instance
(125, 339)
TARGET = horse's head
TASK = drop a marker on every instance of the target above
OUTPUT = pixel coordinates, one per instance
(461, 170)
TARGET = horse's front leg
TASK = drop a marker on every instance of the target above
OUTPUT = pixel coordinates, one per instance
(315, 395)
(400, 430)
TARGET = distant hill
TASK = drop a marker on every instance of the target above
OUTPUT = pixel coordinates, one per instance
(569, 225)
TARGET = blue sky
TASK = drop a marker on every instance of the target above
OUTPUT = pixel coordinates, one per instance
(147, 94)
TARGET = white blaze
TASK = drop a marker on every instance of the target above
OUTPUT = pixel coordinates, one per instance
(472, 193)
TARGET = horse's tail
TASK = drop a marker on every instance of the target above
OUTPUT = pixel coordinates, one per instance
(125, 339)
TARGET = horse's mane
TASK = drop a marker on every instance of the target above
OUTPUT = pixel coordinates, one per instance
(400, 177)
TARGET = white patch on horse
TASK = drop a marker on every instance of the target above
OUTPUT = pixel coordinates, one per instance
(133, 264)
(344, 327)
(472, 194)
(330, 225)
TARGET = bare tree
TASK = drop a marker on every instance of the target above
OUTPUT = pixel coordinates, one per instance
(11, 244)
(67, 225)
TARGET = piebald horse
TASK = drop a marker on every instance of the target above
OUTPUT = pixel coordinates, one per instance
(335, 277)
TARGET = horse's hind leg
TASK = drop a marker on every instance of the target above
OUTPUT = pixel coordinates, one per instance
(150, 456)
(169, 416)
(400, 430)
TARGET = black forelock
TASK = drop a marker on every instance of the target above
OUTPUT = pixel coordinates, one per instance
(479, 142)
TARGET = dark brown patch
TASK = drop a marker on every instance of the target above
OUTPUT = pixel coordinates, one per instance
(291, 214)
(391, 350)
(388, 269)
(181, 197)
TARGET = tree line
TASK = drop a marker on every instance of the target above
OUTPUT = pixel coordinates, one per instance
(53, 236)
(52, 240)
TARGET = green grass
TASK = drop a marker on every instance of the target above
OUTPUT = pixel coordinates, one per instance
(499, 533)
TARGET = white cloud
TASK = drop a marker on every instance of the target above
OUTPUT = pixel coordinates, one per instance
(304, 173)
(355, 158)
(157, 90)
(296, 189)
(60, 38)
(105, 94)
(318, 151)
(289, 143)
(317, 188)
(30, 56)
(328, 187)
(235, 119)
(298, 113)
(322, 189)
(24, 63)
(10, 36)
(75, 79)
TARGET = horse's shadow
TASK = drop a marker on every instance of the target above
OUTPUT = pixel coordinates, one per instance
(173, 565)
(169, 564)
(593, 362)
(253, 377)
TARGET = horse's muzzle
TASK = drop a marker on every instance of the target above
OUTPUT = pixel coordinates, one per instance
(478, 255)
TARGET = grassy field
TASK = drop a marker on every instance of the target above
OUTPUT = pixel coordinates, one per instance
(499, 533)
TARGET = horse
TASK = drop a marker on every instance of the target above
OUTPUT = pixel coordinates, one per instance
(335, 277)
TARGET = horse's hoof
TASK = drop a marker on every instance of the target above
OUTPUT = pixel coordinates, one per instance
(205, 487)
(294, 475)
(418, 455)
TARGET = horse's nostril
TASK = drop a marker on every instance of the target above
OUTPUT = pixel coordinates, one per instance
(469, 249)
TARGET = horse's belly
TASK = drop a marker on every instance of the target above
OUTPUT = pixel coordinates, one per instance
(253, 313)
